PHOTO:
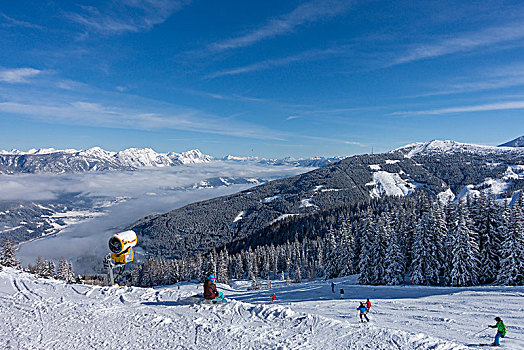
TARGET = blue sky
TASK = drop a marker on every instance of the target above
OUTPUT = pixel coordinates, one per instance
(266, 78)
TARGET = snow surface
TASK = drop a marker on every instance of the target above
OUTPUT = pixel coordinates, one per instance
(374, 166)
(282, 217)
(271, 199)
(389, 184)
(306, 203)
(446, 196)
(47, 314)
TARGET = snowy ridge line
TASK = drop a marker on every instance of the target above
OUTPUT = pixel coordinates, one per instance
(448, 146)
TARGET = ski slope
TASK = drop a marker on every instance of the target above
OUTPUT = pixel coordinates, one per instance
(47, 314)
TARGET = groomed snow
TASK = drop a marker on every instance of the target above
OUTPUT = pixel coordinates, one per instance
(389, 184)
(47, 314)
(271, 199)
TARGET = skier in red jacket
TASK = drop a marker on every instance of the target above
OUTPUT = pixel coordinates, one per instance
(210, 288)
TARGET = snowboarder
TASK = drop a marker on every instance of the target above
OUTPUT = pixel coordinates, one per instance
(341, 293)
(210, 288)
(501, 331)
(332, 287)
(363, 311)
(273, 297)
(368, 304)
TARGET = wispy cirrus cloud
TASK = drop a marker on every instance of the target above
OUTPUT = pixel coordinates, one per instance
(305, 13)
(466, 42)
(489, 79)
(18, 75)
(310, 55)
(103, 115)
(6, 21)
(126, 15)
(466, 109)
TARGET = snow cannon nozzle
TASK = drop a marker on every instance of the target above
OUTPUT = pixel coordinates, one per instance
(120, 242)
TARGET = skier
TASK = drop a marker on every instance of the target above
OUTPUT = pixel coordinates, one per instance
(501, 331)
(332, 287)
(210, 288)
(363, 311)
(273, 297)
(341, 293)
(368, 304)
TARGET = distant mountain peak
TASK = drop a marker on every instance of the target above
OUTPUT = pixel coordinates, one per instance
(446, 146)
(518, 142)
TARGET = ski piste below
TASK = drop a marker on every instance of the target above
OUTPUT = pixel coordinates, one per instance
(40, 313)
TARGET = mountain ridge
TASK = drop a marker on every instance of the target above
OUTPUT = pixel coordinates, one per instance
(457, 170)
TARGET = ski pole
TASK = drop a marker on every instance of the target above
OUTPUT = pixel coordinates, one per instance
(481, 331)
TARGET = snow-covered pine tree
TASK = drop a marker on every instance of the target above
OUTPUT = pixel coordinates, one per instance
(63, 269)
(70, 276)
(8, 257)
(378, 247)
(488, 226)
(345, 249)
(366, 254)
(395, 264)
(511, 271)
(425, 267)
(464, 252)
(330, 248)
(222, 269)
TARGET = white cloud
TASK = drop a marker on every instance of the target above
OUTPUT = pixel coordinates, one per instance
(310, 55)
(487, 79)
(305, 13)
(463, 43)
(172, 118)
(12, 22)
(468, 109)
(291, 117)
(18, 75)
(126, 15)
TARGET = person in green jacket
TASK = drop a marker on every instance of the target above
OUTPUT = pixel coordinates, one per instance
(501, 331)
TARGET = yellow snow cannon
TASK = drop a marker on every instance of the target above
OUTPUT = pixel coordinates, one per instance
(121, 246)
(123, 258)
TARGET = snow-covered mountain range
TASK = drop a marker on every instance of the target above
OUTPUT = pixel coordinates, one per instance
(50, 160)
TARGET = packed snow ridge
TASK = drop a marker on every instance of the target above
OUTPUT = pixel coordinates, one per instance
(448, 146)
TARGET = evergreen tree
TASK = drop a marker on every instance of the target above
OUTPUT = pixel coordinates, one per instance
(8, 258)
(395, 265)
(379, 248)
(330, 248)
(464, 271)
(425, 267)
(366, 254)
(512, 265)
(222, 270)
(488, 227)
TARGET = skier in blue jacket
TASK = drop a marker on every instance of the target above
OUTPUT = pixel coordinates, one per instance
(363, 311)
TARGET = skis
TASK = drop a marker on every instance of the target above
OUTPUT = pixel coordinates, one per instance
(483, 344)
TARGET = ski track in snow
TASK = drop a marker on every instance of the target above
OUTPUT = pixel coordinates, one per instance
(47, 314)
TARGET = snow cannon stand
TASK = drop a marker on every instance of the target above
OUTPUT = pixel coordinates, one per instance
(121, 246)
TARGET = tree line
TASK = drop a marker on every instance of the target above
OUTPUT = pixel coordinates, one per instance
(390, 241)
